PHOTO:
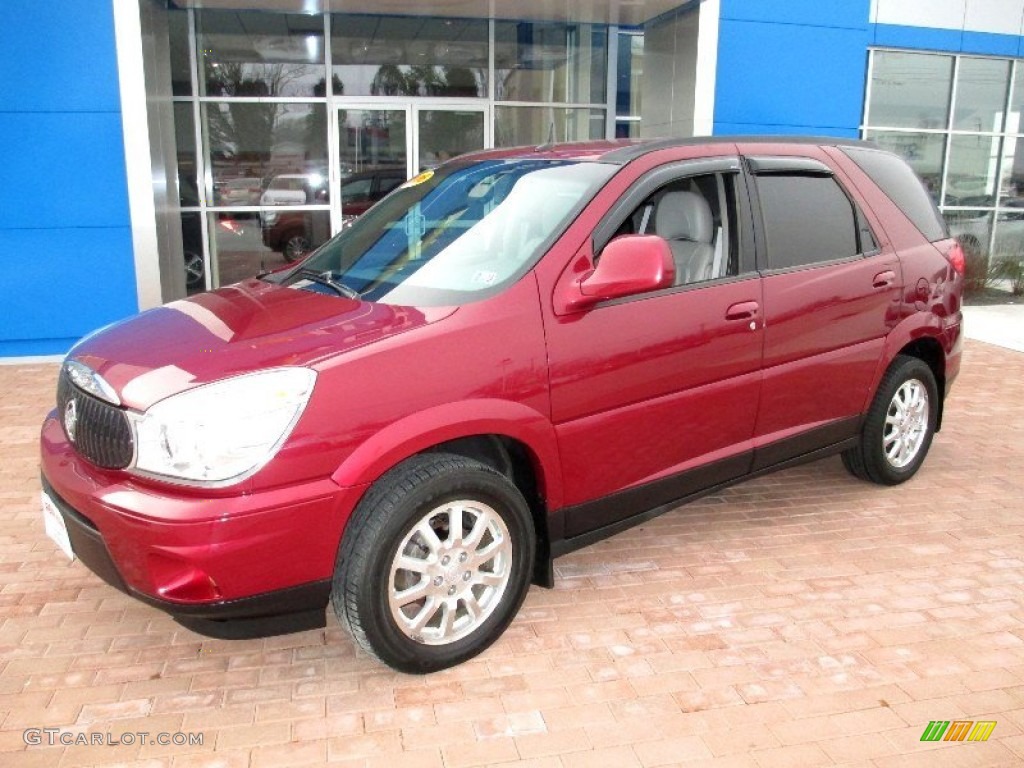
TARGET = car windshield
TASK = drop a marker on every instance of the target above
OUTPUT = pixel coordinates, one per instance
(459, 234)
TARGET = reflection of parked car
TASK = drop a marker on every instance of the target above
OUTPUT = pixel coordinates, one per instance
(361, 190)
(244, 191)
(288, 189)
(974, 228)
(192, 247)
(288, 232)
(520, 354)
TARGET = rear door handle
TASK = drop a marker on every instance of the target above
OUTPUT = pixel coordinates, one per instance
(744, 310)
(884, 279)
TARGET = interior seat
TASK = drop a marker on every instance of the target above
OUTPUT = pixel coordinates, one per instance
(685, 220)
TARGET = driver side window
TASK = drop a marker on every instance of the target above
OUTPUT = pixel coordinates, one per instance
(696, 216)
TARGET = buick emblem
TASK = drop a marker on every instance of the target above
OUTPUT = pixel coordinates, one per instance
(71, 419)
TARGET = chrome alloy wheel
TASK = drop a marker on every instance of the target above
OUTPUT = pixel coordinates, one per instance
(295, 248)
(194, 269)
(906, 423)
(450, 572)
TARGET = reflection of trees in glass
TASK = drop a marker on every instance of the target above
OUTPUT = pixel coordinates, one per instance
(390, 81)
(315, 122)
(242, 133)
(402, 80)
(244, 136)
(239, 79)
(445, 134)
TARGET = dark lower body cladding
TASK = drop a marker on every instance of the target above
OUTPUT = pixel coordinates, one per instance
(272, 613)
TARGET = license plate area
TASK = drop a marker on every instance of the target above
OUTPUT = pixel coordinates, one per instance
(56, 528)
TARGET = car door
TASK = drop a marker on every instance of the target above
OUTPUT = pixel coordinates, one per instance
(654, 397)
(830, 297)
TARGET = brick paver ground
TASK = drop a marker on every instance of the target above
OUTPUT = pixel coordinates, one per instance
(801, 619)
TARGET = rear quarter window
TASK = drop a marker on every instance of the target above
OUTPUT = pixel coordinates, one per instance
(899, 182)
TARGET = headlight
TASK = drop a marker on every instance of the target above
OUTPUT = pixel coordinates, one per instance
(225, 430)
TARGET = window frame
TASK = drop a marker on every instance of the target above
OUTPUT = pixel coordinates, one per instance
(666, 175)
(670, 173)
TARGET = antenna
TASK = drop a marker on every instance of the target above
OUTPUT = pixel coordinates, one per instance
(550, 139)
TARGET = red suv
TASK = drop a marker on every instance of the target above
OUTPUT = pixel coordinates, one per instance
(508, 358)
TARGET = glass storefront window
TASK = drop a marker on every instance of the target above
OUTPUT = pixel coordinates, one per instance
(257, 83)
(254, 53)
(630, 74)
(1011, 174)
(627, 129)
(550, 62)
(923, 151)
(185, 140)
(1009, 242)
(447, 133)
(977, 158)
(192, 252)
(1014, 123)
(515, 126)
(409, 56)
(910, 90)
(241, 245)
(275, 145)
(981, 94)
(372, 140)
(971, 175)
(181, 75)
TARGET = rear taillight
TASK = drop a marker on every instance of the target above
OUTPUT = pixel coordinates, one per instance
(957, 259)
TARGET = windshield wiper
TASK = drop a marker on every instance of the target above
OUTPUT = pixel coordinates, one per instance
(325, 278)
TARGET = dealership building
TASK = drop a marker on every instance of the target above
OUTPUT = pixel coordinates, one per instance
(153, 149)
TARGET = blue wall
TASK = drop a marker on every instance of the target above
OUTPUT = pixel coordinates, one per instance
(66, 254)
(791, 67)
(953, 40)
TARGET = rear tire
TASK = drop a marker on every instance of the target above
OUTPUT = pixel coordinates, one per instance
(434, 563)
(295, 248)
(899, 425)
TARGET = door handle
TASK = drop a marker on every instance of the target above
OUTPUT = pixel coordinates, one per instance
(744, 310)
(884, 279)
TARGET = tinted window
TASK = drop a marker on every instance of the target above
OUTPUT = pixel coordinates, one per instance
(895, 178)
(388, 183)
(356, 190)
(807, 220)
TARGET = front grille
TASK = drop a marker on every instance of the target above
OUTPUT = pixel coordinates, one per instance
(102, 433)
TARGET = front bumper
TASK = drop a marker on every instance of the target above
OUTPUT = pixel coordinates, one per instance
(223, 564)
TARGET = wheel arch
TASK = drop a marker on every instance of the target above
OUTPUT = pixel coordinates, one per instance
(920, 336)
(928, 350)
(513, 439)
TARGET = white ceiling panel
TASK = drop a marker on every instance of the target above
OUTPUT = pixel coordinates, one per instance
(626, 12)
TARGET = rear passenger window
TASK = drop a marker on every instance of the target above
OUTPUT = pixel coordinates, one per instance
(807, 220)
(901, 184)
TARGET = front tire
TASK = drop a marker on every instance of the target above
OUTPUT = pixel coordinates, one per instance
(899, 426)
(435, 562)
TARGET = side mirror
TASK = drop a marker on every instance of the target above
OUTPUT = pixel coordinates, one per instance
(629, 265)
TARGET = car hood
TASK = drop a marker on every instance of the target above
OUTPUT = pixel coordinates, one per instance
(238, 329)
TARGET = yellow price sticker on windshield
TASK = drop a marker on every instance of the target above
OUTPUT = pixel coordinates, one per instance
(425, 176)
